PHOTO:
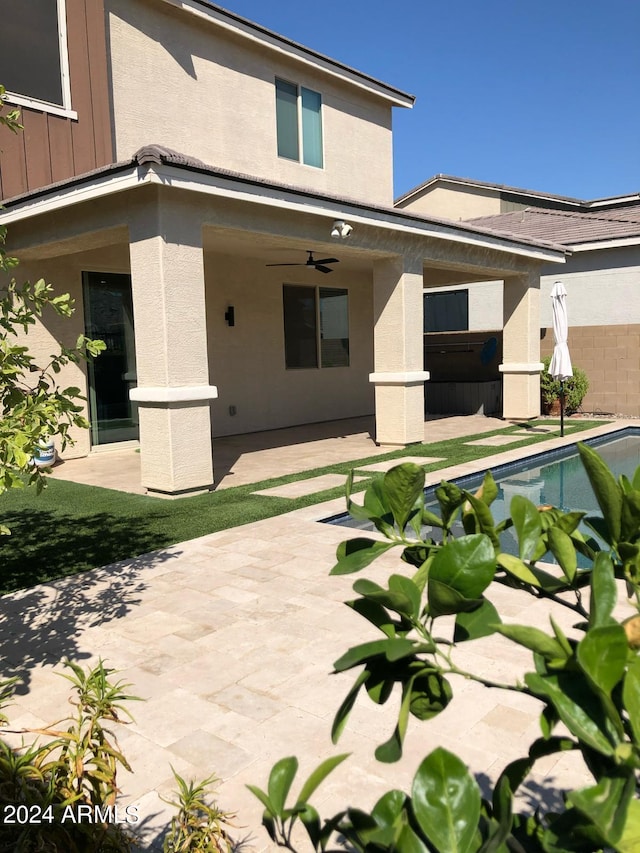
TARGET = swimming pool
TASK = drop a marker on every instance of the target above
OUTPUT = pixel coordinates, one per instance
(554, 477)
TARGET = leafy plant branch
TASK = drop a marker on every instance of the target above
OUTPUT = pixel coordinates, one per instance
(590, 683)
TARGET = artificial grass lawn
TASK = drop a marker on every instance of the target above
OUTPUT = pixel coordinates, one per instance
(70, 528)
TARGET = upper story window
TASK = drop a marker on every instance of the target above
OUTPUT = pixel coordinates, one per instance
(34, 65)
(299, 123)
(446, 311)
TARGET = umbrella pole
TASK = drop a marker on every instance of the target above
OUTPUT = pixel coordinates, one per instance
(561, 407)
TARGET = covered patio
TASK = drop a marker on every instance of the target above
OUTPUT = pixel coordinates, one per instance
(205, 257)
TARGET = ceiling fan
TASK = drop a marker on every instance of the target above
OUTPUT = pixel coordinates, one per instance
(311, 262)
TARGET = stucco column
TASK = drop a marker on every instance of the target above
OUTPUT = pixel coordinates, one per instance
(521, 347)
(398, 350)
(173, 391)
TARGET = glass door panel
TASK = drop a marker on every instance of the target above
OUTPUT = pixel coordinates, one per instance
(108, 311)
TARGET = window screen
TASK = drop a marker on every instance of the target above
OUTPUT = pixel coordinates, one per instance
(446, 311)
(30, 50)
(311, 128)
(334, 327)
(300, 327)
(287, 119)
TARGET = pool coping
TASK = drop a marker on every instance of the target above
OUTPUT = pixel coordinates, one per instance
(321, 512)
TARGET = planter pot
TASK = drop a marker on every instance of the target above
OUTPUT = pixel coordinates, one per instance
(552, 408)
(45, 456)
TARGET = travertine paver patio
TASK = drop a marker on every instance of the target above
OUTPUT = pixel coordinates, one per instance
(230, 639)
(244, 459)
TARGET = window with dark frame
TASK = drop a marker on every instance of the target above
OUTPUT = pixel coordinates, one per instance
(299, 123)
(316, 326)
(30, 51)
(446, 311)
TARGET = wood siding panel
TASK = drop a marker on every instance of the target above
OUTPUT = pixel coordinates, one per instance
(99, 80)
(36, 143)
(53, 148)
(61, 148)
(13, 163)
(82, 134)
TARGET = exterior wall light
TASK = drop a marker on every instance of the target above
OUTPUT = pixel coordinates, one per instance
(341, 229)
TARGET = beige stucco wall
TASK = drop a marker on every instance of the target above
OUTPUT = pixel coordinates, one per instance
(247, 362)
(184, 83)
(453, 202)
(603, 288)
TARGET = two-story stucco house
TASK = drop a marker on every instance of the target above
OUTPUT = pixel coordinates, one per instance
(601, 275)
(180, 172)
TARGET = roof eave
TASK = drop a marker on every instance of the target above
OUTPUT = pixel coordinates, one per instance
(502, 188)
(267, 38)
(594, 245)
(152, 165)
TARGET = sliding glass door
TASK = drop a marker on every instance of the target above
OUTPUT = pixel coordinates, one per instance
(108, 313)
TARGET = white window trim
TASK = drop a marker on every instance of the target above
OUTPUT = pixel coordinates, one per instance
(300, 160)
(63, 110)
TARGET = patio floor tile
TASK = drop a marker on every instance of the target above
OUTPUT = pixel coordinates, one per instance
(494, 441)
(301, 488)
(387, 464)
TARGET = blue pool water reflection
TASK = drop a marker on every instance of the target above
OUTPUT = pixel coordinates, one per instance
(555, 478)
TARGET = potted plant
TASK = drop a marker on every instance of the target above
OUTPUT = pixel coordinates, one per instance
(575, 390)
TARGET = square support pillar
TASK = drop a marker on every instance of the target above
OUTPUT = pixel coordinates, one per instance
(399, 375)
(521, 347)
(173, 391)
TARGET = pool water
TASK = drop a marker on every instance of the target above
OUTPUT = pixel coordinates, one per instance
(556, 478)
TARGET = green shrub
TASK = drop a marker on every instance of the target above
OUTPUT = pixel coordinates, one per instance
(198, 825)
(62, 794)
(589, 684)
(575, 389)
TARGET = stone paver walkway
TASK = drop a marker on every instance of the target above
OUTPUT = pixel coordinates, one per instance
(230, 641)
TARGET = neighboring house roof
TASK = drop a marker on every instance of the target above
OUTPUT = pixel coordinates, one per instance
(126, 174)
(517, 191)
(570, 228)
(267, 38)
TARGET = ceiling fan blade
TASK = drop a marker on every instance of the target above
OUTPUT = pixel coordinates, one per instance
(327, 261)
(320, 268)
(286, 265)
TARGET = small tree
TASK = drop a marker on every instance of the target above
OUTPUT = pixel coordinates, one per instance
(33, 407)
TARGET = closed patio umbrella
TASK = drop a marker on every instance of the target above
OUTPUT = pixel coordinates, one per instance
(560, 367)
